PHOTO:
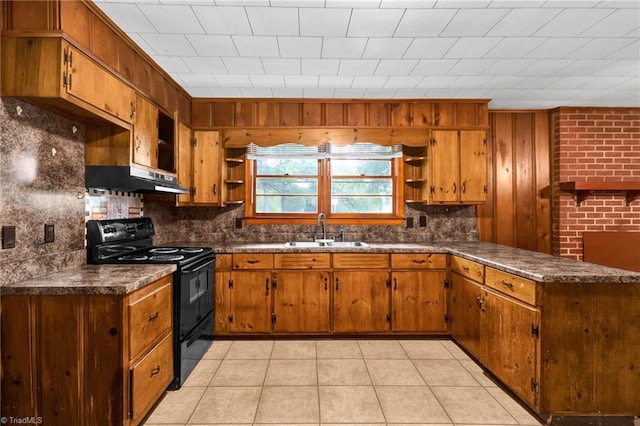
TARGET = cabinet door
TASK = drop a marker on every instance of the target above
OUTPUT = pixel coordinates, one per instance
(206, 167)
(250, 301)
(443, 157)
(361, 301)
(87, 81)
(511, 345)
(145, 133)
(418, 301)
(222, 308)
(465, 313)
(185, 163)
(473, 166)
(301, 301)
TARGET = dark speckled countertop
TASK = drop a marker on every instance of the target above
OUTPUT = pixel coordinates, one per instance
(91, 279)
(527, 264)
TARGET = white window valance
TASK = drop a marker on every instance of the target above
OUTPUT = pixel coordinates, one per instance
(356, 151)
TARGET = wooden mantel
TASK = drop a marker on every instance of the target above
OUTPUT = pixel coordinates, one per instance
(582, 188)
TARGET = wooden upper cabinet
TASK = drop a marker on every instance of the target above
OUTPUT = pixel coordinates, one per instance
(457, 162)
(207, 162)
(145, 139)
(185, 162)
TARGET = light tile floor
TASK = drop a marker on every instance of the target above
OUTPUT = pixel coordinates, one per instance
(322, 382)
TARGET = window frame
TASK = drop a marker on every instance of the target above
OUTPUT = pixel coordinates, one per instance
(396, 217)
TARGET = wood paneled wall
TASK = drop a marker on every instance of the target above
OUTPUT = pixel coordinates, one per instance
(86, 26)
(458, 113)
(518, 208)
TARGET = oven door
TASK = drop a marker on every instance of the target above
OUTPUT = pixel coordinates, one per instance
(195, 300)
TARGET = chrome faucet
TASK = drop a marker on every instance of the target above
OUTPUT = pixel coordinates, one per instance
(323, 219)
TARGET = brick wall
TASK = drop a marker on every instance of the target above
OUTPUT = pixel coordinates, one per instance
(593, 144)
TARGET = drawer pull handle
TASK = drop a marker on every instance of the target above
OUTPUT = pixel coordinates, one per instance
(418, 261)
(337, 284)
(507, 284)
(465, 268)
(154, 316)
(252, 262)
(155, 371)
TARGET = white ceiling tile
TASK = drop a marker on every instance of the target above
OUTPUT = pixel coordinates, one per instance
(619, 4)
(343, 47)
(415, 4)
(396, 66)
(202, 64)
(169, 44)
(557, 48)
(631, 51)
(213, 45)
(535, 83)
(379, 93)
(297, 3)
(318, 93)
(408, 93)
(226, 92)
(586, 66)
(471, 66)
(128, 17)
(380, 48)
(503, 82)
(264, 80)
(507, 67)
(442, 93)
(436, 82)
(473, 93)
(627, 84)
(223, 20)
(172, 64)
(324, 22)
(300, 47)
(200, 92)
(365, 82)
(472, 47)
(473, 22)
(353, 3)
(600, 48)
(514, 47)
(199, 80)
(507, 4)
(172, 19)
(374, 22)
(250, 92)
(301, 81)
(349, 93)
(572, 3)
(233, 80)
(320, 66)
(522, 22)
(430, 47)
(544, 67)
(338, 82)
(433, 66)
(403, 82)
(617, 24)
(572, 22)
(287, 93)
(469, 82)
(423, 22)
(621, 67)
(463, 3)
(358, 66)
(273, 20)
(257, 46)
(573, 82)
(237, 65)
(141, 42)
(281, 66)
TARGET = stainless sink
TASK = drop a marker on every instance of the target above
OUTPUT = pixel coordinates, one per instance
(325, 244)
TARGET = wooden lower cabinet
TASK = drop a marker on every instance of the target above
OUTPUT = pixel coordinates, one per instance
(301, 301)
(465, 313)
(74, 359)
(250, 302)
(361, 301)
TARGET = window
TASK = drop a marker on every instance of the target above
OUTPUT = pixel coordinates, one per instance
(357, 181)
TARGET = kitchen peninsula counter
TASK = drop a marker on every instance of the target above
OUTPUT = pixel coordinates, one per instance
(535, 266)
(90, 280)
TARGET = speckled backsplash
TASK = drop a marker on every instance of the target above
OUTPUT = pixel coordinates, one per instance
(219, 224)
(41, 181)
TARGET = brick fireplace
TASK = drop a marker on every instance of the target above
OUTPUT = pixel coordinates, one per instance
(593, 145)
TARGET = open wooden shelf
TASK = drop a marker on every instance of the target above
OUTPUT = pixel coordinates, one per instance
(582, 188)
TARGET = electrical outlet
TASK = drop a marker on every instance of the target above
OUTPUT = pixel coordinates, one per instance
(238, 223)
(409, 222)
(8, 236)
(49, 232)
(423, 221)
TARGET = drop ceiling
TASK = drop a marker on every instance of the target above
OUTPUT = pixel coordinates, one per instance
(519, 53)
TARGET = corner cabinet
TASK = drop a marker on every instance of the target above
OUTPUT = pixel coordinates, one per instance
(457, 162)
(87, 359)
(52, 73)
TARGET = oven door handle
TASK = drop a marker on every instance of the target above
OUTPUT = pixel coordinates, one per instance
(201, 266)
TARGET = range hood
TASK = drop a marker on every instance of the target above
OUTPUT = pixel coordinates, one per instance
(131, 179)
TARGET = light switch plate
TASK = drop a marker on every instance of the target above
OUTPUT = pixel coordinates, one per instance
(8, 236)
(49, 232)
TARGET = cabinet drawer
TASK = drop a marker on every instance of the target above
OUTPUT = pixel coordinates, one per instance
(150, 377)
(467, 268)
(302, 260)
(253, 261)
(517, 287)
(419, 261)
(223, 262)
(149, 318)
(360, 260)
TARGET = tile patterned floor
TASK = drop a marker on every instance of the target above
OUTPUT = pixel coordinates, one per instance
(323, 382)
